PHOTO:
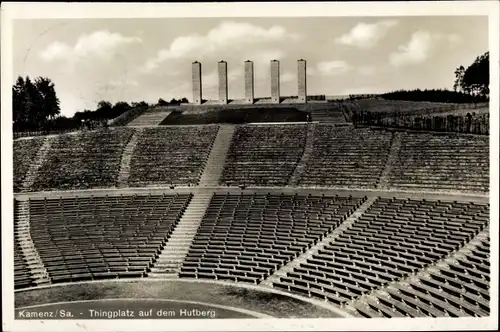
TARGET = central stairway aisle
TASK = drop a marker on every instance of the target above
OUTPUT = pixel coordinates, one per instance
(124, 173)
(149, 119)
(301, 166)
(215, 162)
(170, 260)
(39, 160)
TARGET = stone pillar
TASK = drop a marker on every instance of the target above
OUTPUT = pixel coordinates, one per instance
(196, 83)
(302, 81)
(275, 81)
(249, 82)
(222, 82)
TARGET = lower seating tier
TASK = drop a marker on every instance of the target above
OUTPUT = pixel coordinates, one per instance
(393, 240)
(103, 236)
(246, 237)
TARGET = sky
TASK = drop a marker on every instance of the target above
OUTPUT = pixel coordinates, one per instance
(146, 59)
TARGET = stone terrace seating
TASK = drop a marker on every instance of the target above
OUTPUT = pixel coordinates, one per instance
(245, 238)
(103, 237)
(264, 155)
(171, 155)
(22, 275)
(24, 154)
(457, 290)
(83, 161)
(391, 240)
(346, 157)
(442, 162)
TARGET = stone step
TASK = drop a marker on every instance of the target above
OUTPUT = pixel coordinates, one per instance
(39, 160)
(171, 258)
(163, 275)
(126, 158)
(164, 264)
(28, 251)
(152, 118)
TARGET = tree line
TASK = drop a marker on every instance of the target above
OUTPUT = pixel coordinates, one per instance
(34, 103)
(36, 108)
(471, 85)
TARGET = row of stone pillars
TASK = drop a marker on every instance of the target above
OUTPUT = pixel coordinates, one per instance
(249, 82)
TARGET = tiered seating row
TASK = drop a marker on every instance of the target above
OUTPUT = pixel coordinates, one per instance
(24, 154)
(391, 240)
(442, 162)
(103, 237)
(171, 155)
(347, 157)
(247, 237)
(458, 289)
(264, 155)
(83, 161)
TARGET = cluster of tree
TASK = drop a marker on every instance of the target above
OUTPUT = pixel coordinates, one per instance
(34, 103)
(36, 108)
(91, 119)
(434, 95)
(475, 79)
(173, 102)
(471, 86)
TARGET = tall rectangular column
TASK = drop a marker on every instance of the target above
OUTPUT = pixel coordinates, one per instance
(249, 82)
(222, 82)
(275, 81)
(196, 67)
(302, 80)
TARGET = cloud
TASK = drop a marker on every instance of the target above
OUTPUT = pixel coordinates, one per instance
(102, 44)
(420, 47)
(366, 35)
(328, 68)
(227, 34)
(266, 56)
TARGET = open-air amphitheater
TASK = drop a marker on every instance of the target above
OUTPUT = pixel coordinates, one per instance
(310, 219)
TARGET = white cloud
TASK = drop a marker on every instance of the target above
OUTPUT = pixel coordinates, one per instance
(327, 68)
(420, 47)
(56, 51)
(227, 34)
(366, 35)
(101, 44)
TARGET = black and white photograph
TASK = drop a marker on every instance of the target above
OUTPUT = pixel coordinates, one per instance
(250, 166)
